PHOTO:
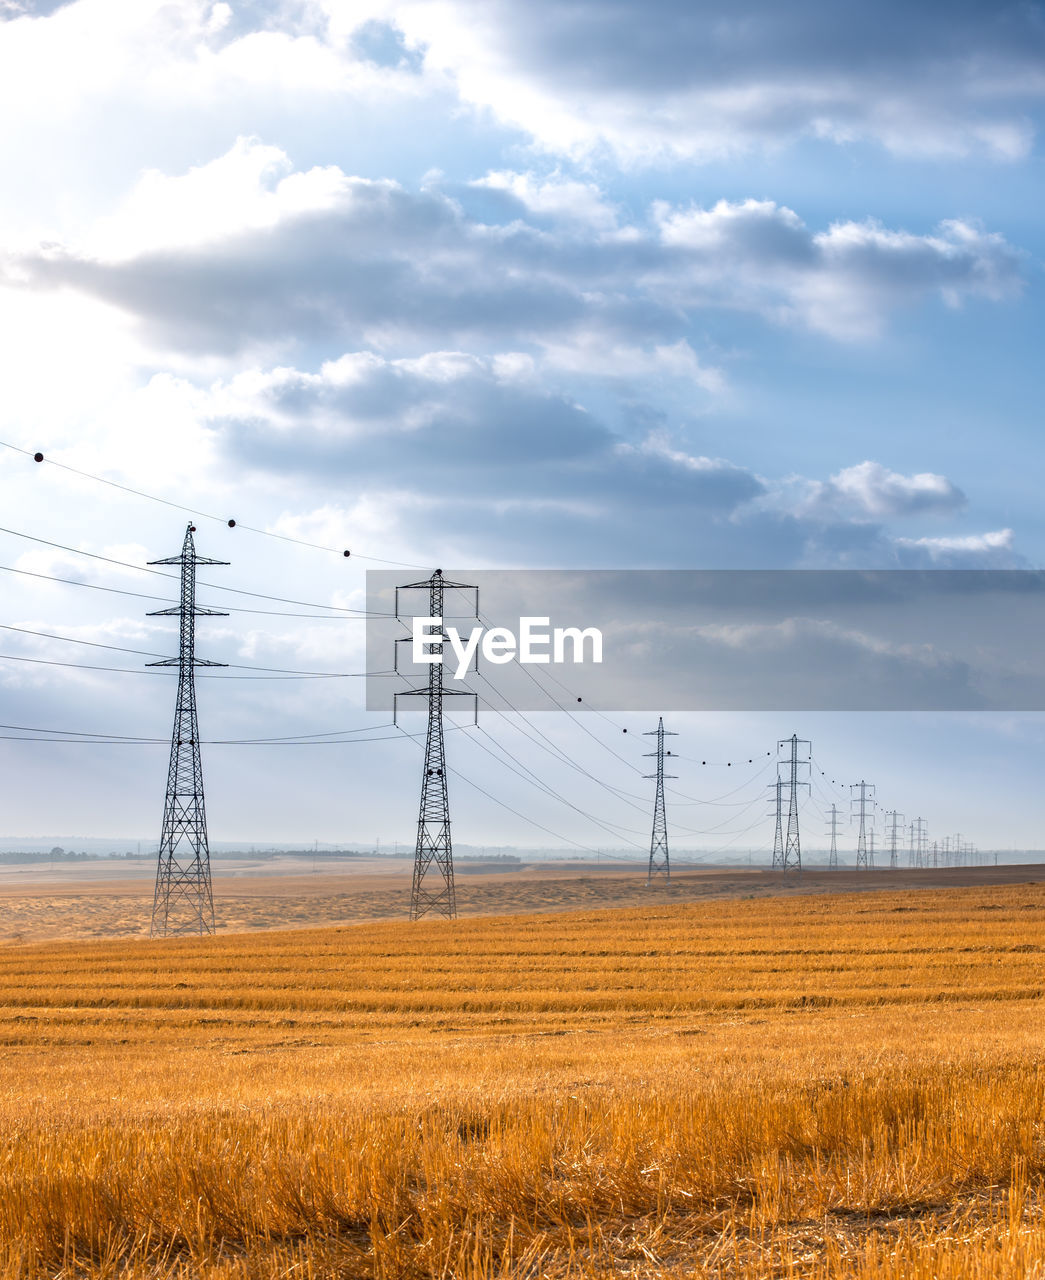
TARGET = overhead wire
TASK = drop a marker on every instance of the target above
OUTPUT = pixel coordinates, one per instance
(141, 595)
(75, 737)
(39, 457)
(628, 797)
(525, 817)
(336, 609)
(523, 771)
(234, 666)
(580, 724)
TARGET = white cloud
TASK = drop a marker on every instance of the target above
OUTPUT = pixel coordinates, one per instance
(560, 198)
(314, 256)
(870, 491)
(250, 188)
(845, 281)
(697, 81)
(590, 354)
(995, 549)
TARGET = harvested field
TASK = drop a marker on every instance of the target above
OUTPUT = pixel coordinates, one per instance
(808, 1085)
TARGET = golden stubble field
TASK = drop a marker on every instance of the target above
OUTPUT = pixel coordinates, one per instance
(807, 1086)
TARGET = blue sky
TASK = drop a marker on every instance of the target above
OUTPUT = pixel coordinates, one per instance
(556, 284)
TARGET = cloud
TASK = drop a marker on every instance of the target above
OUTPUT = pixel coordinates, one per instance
(321, 257)
(991, 550)
(481, 448)
(756, 255)
(697, 80)
(485, 422)
(869, 490)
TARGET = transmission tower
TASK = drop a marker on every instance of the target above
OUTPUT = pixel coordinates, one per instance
(832, 857)
(866, 793)
(778, 830)
(658, 849)
(921, 843)
(183, 901)
(433, 856)
(870, 848)
(897, 822)
(791, 854)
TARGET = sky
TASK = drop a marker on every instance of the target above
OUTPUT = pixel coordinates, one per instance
(485, 285)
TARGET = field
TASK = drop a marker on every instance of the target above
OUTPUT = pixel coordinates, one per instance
(807, 1085)
(103, 899)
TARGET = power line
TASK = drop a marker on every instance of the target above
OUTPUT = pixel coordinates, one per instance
(122, 737)
(562, 757)
(525, 817)
(527, 775)
(202, 515)
(203, 675)
(146, 653)
(336, 609)
(141, 595)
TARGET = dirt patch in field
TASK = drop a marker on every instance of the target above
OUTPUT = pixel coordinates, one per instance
(101, 903)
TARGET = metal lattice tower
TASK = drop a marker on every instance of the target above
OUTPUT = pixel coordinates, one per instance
(894, 834)
(433, 884)
(792, 850)
(658, 849)
(184, 901)
(832, 857)
(778, 831)
(866, 790)
(921, 843)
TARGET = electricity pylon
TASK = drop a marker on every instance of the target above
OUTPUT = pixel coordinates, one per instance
(434, 848)
(778, 830)
(832, 857)
(893, 837)
(183, 901)
(921, 843)
(866, 790)
(658, 849)
(791, 859)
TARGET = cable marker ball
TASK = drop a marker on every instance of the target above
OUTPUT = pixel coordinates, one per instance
(232, 524)
(38, 457)
(346, 553)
